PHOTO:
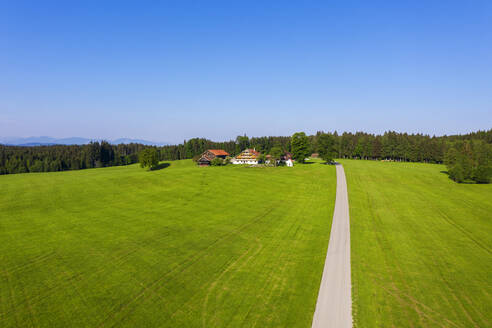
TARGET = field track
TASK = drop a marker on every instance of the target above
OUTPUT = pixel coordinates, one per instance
(334, 305)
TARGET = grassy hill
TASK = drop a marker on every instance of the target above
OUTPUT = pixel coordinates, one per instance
(179, 247)
(421, 247)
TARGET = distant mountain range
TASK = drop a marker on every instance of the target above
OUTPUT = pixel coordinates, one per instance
(48, 141)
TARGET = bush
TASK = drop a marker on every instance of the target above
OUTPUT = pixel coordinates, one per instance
(217, 161)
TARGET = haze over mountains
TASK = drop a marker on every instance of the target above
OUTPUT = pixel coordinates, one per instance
(45, 141)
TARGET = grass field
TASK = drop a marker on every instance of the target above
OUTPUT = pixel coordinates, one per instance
(421, 247)
(179, 247)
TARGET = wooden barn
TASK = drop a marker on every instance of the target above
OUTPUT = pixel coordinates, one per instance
(208, 155)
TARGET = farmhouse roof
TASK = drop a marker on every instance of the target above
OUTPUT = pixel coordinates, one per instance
(218, 152)
(250, 154)
(253, 151)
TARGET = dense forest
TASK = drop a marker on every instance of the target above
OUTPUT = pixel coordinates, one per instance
(469, 160)
(20, 159)
(390, 146)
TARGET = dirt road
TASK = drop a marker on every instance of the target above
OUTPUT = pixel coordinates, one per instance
(334, 305)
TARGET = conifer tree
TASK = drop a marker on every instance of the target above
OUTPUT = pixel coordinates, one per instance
(326, 147)
(482, 162)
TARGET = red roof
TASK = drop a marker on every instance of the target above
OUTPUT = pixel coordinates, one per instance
(218, 152)
(253, 151)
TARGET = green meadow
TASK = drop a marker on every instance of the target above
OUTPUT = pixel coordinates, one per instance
(421, 247)
(185, 246)
(182, 246)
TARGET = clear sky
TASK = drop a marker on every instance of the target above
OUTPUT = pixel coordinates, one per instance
(170, 70)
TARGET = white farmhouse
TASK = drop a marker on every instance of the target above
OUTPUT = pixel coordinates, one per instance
(247, 156)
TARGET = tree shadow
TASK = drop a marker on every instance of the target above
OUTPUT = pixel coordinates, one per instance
(161, 166)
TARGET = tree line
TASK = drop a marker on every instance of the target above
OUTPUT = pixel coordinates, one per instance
(360, 145)
(389, 146)
(21, 159)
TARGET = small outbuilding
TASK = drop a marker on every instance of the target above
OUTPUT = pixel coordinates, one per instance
(208, 155)
(286, 159)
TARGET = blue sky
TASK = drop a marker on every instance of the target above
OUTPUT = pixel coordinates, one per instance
(173, 70)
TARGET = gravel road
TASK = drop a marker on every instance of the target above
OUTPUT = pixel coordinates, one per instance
(334, 305)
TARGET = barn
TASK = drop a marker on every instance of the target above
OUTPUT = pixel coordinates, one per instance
(208, 155)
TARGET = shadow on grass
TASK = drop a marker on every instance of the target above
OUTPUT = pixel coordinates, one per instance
(161, 166)
(324, 163)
